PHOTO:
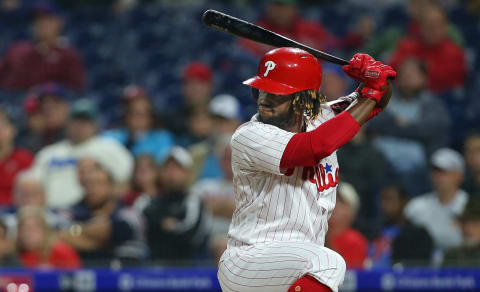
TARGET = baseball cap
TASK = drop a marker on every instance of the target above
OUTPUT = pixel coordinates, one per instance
(181, 156)
(133, 91)
(49, 89)
(84, 109)
(44, 8)
(199, 71)
(225, 106)
(447, 159)
(349, 195)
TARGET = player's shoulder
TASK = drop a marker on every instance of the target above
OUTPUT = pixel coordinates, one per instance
(256, 128)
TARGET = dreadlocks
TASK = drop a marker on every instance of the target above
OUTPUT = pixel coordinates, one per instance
(308, 102)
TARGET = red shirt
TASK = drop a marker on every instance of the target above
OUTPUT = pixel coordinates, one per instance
(306, 32)
(352, 246)
(445, 61)
(26, 64)
(60, 256)
(10, 166)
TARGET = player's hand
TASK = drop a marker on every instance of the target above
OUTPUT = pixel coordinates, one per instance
(373, 74)
(357, 66)
(371, 93)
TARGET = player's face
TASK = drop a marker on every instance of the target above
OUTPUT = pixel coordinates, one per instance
(274, 109)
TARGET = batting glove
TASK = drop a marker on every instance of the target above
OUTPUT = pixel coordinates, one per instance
(371, 93)
(373, 74)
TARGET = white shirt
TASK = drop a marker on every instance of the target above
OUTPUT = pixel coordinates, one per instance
(270, 205)
(57, 164)
(427, 211)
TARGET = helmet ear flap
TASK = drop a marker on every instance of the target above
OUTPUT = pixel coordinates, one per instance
(255, 93)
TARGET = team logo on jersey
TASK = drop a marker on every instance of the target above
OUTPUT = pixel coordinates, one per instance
(322, 176)
(270, 66)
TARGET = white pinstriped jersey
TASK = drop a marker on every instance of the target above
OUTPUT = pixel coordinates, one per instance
(271, 206)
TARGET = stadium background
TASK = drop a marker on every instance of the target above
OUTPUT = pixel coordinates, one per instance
(146, 48)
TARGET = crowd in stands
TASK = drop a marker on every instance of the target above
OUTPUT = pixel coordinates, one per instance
(115, 130)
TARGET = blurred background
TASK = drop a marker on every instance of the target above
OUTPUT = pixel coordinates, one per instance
(116, 117)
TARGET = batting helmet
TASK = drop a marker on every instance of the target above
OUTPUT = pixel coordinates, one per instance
(285, 71)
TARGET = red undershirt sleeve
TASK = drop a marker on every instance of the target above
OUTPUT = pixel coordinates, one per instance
(308, 148)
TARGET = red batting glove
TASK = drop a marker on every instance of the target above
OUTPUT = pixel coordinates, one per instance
(357, 65)
(370, 93)
(365, 69)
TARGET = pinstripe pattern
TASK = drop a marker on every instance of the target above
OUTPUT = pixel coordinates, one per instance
(278, 229)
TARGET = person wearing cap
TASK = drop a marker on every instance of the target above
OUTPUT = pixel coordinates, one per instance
(438, 209)
(47, 58)
(335, 82)
(176, 221)
(283, 18)
(47, 110)
(13, 159)
(468, 254)
(190, 121)
(101, 228)
(141, 134)
(341, 236)
(225, 111)
(57, 163)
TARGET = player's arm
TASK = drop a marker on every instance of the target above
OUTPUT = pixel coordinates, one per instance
(307, 149)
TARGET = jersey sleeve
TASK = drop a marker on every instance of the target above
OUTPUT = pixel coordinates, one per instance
(259, 147)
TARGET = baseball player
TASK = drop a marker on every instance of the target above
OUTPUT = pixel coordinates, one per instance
(286, 173)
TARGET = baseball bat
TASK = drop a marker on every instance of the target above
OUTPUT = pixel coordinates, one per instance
(242, 28)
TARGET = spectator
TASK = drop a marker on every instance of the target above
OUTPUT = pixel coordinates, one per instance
(437, 210)
(334, 82)
(37, 245)
(144, 183)
(413, 126)
(445, 61)
(57, 163)
(341, 237)
(225, 111)
(365, 174)
(282, 17)
(399, 241)
(29, 191)
(469, 253)
(102, 229)
(8, 257)
(47, 113)
(176, 219)
(141, 135)
(12, 159)
(385, 41)
(190, 122)
(471, 150)
(218, 196)
(46, 58)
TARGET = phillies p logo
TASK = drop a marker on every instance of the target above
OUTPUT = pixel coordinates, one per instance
(270, 66)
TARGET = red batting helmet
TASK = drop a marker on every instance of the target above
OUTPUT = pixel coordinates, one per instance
(285, 71)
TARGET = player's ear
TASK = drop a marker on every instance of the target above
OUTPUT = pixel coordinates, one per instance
(255, 93)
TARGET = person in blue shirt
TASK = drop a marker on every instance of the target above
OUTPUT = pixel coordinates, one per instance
(140, 134)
